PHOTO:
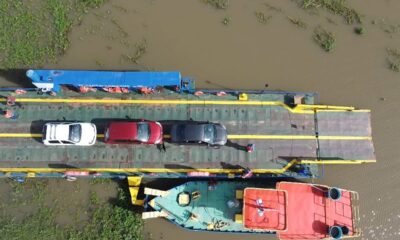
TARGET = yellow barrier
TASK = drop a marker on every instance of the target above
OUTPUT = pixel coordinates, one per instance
(183, 170)
(300, 108)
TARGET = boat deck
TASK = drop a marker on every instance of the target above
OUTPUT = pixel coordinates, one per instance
(279, 132)
(209, 211)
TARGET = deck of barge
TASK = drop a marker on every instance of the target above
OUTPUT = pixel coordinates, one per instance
(281, 133)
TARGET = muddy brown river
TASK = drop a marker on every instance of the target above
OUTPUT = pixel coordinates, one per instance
(189, 36)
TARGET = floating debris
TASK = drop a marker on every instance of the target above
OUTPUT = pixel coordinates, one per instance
(226, 20)
(298, 22)
(262, 18)
(389, 28)
(218, 4)
(141, 48)
(359, 30)
(324, 38)
(99, 63)
(120, 28)
(393, 59)
(331, 21)
(120, 8)
(273, 8)
(338, 7)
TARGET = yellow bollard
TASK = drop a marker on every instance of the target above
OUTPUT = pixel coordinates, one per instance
(243, 97)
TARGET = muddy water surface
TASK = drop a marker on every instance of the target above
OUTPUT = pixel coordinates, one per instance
(189, 36)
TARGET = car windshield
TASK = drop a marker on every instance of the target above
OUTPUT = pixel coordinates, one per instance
(75, 132)
(209, 133)
(143, 132)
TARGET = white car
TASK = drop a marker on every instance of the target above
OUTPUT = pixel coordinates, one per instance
(69, 133)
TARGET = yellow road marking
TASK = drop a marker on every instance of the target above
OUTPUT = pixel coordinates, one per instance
(301, 108)
(20, 135)
(344, 138)
(335, 162)
(298, 137)
(232, 137)
(184, 170)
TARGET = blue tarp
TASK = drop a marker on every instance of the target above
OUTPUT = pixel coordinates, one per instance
(128, 79)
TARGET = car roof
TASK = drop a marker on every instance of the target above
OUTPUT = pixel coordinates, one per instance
(192, 132)
(122, 130)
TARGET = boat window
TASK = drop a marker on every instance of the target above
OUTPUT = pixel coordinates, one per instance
(143, 131)
(75, 132)
(209, 133)
(54, 142)
(65, 142)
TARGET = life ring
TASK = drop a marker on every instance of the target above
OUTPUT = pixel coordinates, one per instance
(83, 89)
(146, 90)
(125, 90)
(20, 91)
(221, 94)
(8, 114)
(117, 90)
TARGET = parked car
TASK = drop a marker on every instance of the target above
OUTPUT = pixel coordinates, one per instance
(213, 134)
(146, 132)
(69, 133)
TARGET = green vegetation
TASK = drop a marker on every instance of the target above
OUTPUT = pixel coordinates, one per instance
(39, 225)
(34, 32)
(111, 222)
(324, 38)
(298, 22)
(226, 20)
(262, 18)
(393, 59)
(24, 216)
(218, 4)
(141, 48)
(359, 30)
(338, 7)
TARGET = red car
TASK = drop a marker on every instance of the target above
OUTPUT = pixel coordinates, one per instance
(146, 132)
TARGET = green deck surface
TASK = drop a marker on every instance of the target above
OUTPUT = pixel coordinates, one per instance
(210, 207)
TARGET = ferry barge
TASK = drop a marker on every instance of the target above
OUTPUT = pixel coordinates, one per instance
(291, 135)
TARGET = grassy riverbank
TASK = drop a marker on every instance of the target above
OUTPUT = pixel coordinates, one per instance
(85, 209)
(33, 32)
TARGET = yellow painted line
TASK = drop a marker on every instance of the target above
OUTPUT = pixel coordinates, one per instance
(301, 108)
(232, 137)
(20, 135)
(183, 170)
(355, 110)
(297, 137)
(324, 107)
(337, 162)
(343, 138)
(273, 137)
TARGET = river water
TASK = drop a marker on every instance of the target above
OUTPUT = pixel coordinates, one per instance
(189, 36)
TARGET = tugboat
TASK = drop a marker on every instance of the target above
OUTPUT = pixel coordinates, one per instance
(290, 210)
